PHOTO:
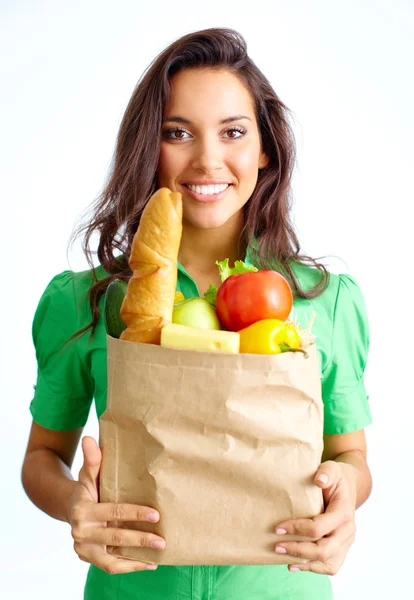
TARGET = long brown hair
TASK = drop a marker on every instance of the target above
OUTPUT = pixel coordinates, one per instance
(268, 230)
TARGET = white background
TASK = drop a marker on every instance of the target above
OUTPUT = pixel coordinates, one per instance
(345, 70)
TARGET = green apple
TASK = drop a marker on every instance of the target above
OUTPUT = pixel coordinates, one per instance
(195, 312)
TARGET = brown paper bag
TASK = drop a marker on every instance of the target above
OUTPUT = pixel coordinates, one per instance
(224, 446)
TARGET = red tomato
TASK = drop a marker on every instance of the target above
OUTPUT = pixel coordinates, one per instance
(245, 298)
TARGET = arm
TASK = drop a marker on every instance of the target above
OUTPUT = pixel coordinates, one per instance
(48, 482)
(46, 474)
(351, 449)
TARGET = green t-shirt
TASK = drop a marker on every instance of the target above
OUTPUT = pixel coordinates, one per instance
(71, 376)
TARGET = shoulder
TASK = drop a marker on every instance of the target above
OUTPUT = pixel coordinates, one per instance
(65, 301)
(341, 288)
(76, 284)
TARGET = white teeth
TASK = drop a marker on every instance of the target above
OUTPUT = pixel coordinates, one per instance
(208, 189)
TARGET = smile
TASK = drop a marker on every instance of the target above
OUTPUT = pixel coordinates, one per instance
(208, 190)
(207, 193)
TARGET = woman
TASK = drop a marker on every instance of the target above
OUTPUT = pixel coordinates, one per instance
(203, 121)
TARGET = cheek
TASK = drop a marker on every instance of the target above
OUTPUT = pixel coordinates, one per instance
(246, 162)
(169, 164)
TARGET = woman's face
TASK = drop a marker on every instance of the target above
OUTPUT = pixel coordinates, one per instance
(211, 149)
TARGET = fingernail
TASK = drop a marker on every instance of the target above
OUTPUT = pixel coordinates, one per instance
(151, 567)
(281, 531)
(294, 569)
(281, 550)
(158, 544)
(323, 478)
(152, 516)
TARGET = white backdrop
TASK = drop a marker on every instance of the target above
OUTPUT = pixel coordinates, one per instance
(345, 70)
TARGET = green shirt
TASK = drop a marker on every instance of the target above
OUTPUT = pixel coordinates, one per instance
(71, 377)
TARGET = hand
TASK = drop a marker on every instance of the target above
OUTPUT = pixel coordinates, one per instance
(333, 531)
(89, 520)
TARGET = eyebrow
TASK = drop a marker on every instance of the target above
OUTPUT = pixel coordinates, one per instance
(178, 119)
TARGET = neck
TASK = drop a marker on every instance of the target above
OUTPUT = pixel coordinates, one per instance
(200, 248)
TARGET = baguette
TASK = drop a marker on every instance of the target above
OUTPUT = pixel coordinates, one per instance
(149, 300)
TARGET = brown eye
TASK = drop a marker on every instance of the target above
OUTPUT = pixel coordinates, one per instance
(235, 133)
(175, 134)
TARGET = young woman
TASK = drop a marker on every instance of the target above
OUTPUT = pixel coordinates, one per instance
(203, 121)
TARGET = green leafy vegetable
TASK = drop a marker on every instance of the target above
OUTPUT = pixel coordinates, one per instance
(239, 267)
(225, 271)
(210, 294)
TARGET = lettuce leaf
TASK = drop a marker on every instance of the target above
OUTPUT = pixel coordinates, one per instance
(225, 271)
(210, 294)
(239, 267)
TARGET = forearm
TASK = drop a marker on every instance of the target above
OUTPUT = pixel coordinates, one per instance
(360, 474)
(48, 482)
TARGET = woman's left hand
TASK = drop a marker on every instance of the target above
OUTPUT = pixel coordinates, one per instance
(334, 530)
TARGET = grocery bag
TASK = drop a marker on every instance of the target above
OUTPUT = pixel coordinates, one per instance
(224, 446)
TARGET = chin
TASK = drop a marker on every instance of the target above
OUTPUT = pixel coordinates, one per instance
(211, 223)
(213, 219)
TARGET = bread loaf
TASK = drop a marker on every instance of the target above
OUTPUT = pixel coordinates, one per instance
(149, 300)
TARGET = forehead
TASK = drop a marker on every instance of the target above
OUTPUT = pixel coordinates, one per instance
(200, 94)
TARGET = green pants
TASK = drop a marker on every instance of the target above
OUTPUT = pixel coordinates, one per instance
(270, 582)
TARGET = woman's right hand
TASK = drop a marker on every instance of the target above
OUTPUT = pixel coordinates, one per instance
(89, 520)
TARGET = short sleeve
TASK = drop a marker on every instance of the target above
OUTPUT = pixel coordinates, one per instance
(64, 387)
(345, 399)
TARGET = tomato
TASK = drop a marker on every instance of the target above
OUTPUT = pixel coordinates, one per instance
(245, 298)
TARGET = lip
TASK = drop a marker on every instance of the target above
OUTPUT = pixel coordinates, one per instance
(205, 198)
(206, 182)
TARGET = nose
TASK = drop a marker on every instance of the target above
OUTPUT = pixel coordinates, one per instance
(207, 157)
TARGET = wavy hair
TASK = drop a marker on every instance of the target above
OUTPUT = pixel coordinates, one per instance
(116, 213)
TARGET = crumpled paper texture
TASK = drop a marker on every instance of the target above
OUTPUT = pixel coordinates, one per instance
(223, 446)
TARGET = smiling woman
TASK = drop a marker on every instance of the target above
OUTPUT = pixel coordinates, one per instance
(204, 114)
(203, 121)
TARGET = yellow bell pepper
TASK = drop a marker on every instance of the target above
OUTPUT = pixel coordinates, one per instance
(179, 297)
(269, 336)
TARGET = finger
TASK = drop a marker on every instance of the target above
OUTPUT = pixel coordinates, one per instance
(97, 556)
(114, 536)
(327, 474)
(115, 566)
(109, 511)
(340, 509)
(335, 485)
(331, 565)
(320, 550)
(89, 473)
(313, 529)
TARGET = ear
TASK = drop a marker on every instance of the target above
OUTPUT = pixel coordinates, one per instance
(263, 160)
